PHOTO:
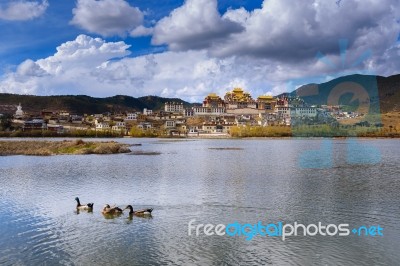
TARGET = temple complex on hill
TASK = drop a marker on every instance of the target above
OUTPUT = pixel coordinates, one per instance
(236, 102)
(214, 115)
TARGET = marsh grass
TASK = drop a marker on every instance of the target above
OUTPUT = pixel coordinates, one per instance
(46, 148)
(314, 131)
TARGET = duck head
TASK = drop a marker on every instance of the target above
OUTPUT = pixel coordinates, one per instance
(77, 202)
(129, 207)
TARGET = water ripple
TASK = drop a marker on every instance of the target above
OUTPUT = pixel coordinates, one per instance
(187, 180)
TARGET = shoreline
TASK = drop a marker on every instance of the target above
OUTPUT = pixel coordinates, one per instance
(193, 138)
(62, 147)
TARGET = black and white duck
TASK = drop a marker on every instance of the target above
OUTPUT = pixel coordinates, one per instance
(87, 207)
(138, 212)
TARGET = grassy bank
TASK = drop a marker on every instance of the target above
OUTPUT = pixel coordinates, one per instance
(61, 147)
(235, 132)
(258, 131)
(52, 134)
(313, 131)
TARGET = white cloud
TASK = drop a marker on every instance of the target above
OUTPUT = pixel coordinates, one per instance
(106, 17)
(194, 25)
(95, 67)
(29, 68)
(388, 63)
(23, 10)
(87, 66)
(141, 31)
(69, 70)
(282, 30)
(84, 51)
(278, 45)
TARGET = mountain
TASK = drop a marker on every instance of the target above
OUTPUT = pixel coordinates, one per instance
(389, 93)
(82, 104)
(383, 92)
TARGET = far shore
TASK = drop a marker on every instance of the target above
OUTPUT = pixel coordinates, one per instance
(209, 136)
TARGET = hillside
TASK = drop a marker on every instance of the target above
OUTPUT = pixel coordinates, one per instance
(82, 104)
(384, 92)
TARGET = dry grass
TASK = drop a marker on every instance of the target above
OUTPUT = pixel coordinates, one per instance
(45, 148)
(391, 121)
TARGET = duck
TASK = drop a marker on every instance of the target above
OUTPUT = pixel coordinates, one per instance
(80, 206)
(111, 210)
(139, 212)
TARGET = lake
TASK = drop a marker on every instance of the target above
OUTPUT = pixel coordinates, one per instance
(211, 181)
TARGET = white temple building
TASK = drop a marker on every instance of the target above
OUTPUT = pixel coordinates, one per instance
(19, 113)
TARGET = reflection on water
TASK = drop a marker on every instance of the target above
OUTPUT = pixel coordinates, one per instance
(111, 216)
(212, 181)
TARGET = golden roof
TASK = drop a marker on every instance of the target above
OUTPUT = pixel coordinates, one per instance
(237, 90)
(213, 95)
(266, 97)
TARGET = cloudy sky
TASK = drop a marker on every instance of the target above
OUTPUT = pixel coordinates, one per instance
(187, 49)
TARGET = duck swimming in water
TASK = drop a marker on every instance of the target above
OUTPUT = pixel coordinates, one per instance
(139, 212)
(111, 210)
(80, 206)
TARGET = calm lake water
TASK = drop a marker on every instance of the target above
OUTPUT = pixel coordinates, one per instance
(259, 180)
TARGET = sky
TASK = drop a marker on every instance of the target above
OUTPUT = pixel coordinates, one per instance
(188, 49)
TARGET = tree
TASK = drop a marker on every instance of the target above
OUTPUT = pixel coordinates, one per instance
(5, 122)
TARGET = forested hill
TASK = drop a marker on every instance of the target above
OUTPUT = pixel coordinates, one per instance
(82, 104)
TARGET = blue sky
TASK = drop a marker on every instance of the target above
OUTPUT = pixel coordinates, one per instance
(38, 38)
(188, 48)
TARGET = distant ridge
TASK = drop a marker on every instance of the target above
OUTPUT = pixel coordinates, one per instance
(388, 95)
(82, 104)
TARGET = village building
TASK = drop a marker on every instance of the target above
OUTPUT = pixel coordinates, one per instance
(170, 123)
(34, 124)
(63, 113)
(303, 112)
(212, 105)
(131, 117)
(48, 113)
(76, 119)
(239, 102)
(238, 99)
(267, 103)
(144, 125)
(203, 111)
(147, 111)
(267, 119)
(173, 107)
(63, 119)
(56, 128)
(101, 125)
(119, 126)
(189, 112)
(53, 120)
(212, 100)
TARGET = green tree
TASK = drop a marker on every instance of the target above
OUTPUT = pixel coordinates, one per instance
(5, 122)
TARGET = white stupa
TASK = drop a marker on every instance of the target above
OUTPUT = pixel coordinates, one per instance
(19, 113)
